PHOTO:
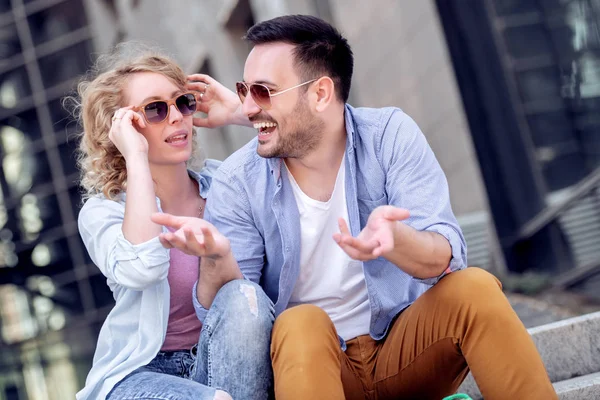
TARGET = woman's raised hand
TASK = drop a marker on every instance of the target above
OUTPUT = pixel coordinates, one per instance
(124, 134)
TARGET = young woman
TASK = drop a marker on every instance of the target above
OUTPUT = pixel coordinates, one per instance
(135, 154)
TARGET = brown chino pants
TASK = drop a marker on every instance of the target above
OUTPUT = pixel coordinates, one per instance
(464, 322)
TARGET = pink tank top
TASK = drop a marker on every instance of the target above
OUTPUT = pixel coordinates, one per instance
(183, 329)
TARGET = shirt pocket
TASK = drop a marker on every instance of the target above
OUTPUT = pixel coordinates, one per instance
(366, 207)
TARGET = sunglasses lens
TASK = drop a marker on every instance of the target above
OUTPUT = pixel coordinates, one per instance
(156, 111)
(186, 103)
(242, 90)
(261, 95)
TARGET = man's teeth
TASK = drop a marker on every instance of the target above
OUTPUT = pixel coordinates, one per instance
(262, 125)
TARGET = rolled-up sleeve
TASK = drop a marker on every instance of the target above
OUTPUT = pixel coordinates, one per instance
(416, 182)
(133, 266)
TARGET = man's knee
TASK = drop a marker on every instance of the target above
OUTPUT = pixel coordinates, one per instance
(302, 318)
(472, 287)
(304, 330)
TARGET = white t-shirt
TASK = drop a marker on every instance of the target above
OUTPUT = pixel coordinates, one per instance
(328, 277)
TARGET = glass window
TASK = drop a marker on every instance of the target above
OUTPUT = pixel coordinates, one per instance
(527, 41)
(66, 64)
(509, 7)
(62, 122)
(539, 84)
(25, 122)
(14, 86)
(67, 155)
(21, 167)
(9, 41)
(103, 296)
(38, 215)
(47, 258)
(550, 128)
(68, 298)
(56, 21)
(5, 5)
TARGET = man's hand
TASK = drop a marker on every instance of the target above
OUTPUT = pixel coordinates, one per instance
(193, 236)
(377, 237)
(221, 105)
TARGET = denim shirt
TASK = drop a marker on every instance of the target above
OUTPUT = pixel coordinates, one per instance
(388, 161)
(135, 328)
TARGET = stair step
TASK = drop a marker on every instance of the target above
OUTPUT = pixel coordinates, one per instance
(581, 388)
(568, 348)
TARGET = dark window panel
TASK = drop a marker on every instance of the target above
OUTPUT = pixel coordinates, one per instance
(62, 122)
(75, 196)
(26, 122)
(5, 5)
(509, 7)
(66, 64)
(562, 37)
(590, 140)
(527, 41)
(68, 298)
(9, 41)
(67, 155)
(550, 128)
(56, 21)
(539, 84)
(564, 171)
(49, 213)
(103, 296)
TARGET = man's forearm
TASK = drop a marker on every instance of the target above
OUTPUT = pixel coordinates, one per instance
(421, 254)
(213, 275)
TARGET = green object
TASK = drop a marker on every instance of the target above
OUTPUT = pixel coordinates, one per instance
(458, 396)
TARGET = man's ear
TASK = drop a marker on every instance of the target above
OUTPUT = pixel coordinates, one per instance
(324, 89)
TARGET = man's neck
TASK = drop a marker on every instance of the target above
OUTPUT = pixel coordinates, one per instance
(316, 172)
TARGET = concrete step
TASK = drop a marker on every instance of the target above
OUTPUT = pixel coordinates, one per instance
(569, 349)
(585, 387)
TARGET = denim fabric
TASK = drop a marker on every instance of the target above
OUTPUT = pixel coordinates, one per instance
(388, 161)
(232, 354)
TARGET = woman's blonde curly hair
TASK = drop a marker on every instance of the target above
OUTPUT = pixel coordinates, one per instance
(99, 96)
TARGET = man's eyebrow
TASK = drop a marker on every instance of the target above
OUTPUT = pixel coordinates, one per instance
(263, 82)
(147, 99)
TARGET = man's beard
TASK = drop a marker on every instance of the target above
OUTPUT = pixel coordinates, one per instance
(302, 138)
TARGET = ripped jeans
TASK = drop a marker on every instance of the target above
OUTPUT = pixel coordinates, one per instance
(232, 354)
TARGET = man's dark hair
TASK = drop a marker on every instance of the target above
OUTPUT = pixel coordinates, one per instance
(319, 48)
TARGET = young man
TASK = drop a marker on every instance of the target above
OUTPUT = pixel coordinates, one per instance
(343, 216)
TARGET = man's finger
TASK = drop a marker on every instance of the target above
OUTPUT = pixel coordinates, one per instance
(363, 246)
(396, 214)
(168, 220)
(192, 242)
(352, 252)
(164, 242)
(344, 227)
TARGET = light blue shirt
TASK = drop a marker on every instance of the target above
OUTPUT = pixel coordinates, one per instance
(388, 161)
(135, 329)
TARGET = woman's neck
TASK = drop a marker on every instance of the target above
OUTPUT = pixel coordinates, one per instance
(174, 187)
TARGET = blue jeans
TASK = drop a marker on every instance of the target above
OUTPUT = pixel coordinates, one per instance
(232, 354)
